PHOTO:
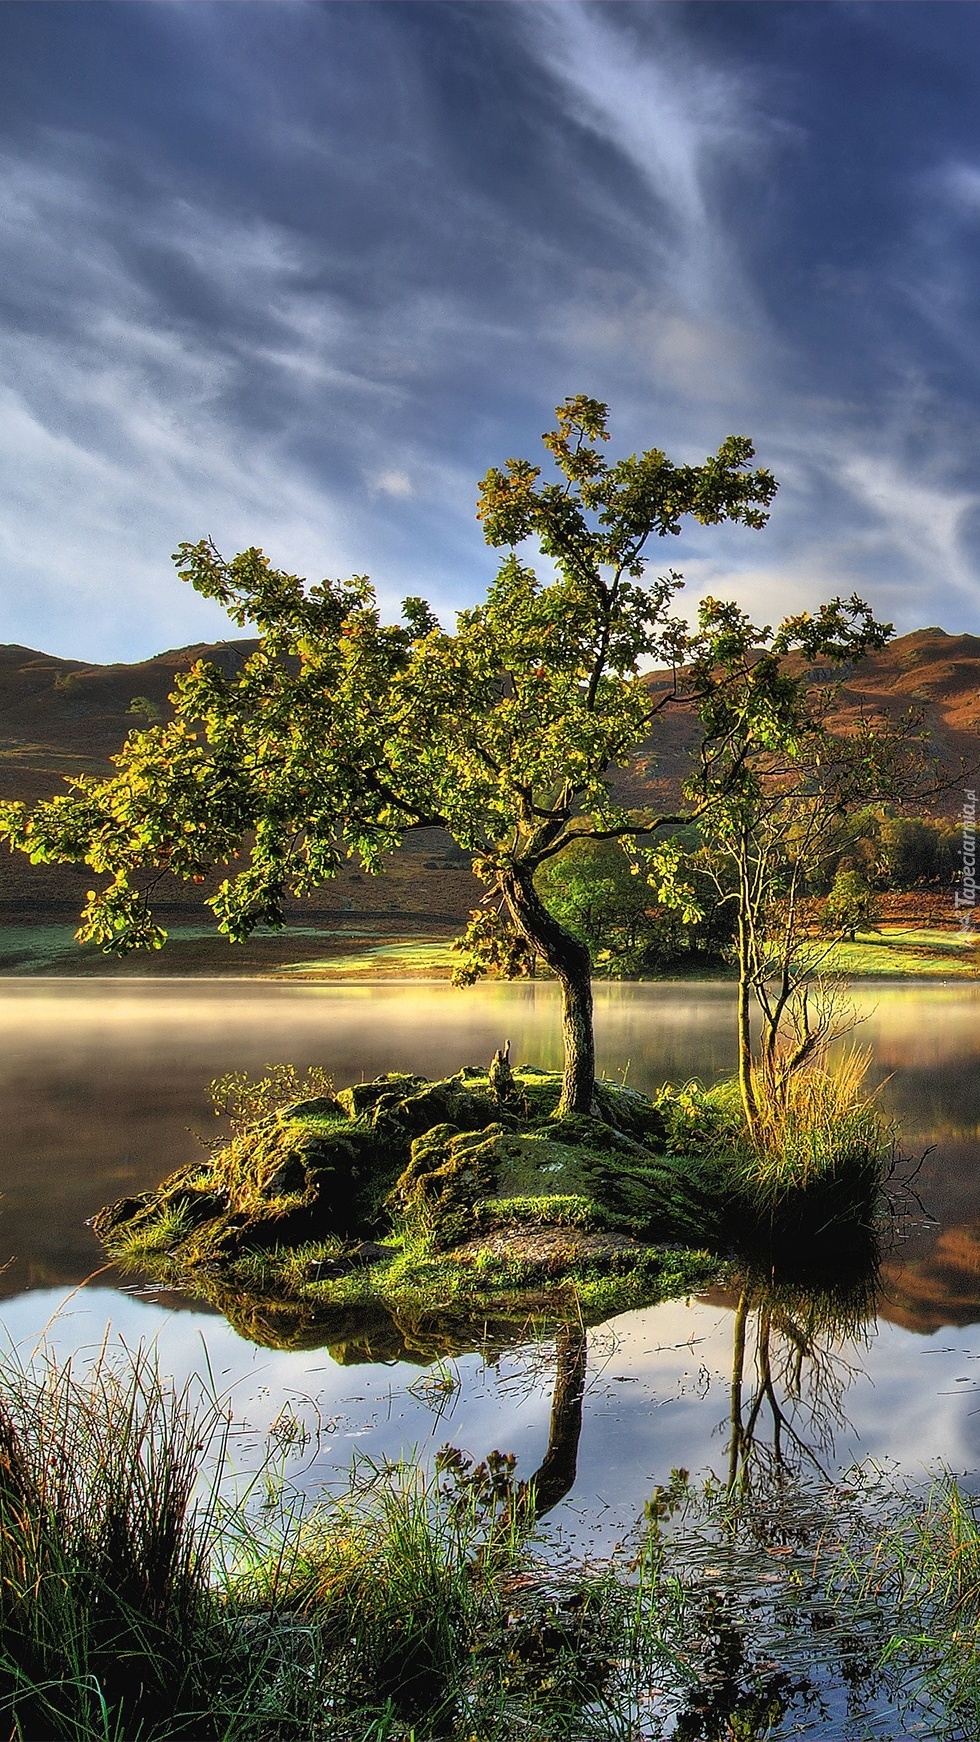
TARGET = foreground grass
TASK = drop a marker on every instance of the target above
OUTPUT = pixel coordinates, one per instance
(137, 1607)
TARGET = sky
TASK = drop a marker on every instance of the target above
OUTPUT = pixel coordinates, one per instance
(295, 273)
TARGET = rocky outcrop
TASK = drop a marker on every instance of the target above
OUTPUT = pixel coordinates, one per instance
(444, 1164)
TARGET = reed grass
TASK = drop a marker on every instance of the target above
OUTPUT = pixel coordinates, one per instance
(107, 1620)
(137, 1606)
(919, 1564)
(822, 1123)
(800, 1191)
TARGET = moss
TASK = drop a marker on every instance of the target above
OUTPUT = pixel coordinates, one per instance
(421, 1303)
(406, 1197)
(554, 1209)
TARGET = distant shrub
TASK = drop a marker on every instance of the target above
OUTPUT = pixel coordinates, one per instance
(145, 708)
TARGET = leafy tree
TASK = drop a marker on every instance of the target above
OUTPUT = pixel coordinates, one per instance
(896, 852)
(595, 891)
(851, 905)
(917, 851)
(342, 733)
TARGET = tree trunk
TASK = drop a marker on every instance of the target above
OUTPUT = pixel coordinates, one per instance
(571, 963)
(745, 1078)
(738, 1376)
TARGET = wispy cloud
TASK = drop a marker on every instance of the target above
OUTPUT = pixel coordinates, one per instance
(131, 423)
(670, 116)
(315, 330)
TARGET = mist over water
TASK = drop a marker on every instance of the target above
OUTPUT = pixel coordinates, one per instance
(105, 1086)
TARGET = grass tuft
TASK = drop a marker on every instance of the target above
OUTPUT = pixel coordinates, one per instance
(106, 1617)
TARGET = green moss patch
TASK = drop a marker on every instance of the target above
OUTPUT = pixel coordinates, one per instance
(402, 1204)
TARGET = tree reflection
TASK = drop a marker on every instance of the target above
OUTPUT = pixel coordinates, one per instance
(790, 1373)
(751, 1624)
(555, 1475)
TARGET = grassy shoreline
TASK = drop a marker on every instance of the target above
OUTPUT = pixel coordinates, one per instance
(382, 950)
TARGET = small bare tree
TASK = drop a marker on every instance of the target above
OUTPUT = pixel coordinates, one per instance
(778, 778)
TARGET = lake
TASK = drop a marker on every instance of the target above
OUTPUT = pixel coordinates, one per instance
(104, 1092)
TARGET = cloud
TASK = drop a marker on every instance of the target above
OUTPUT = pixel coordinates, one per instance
(393, 483)
(318, 333)
(668, 115)
(131, 422)
(921, 523)
(678, 120)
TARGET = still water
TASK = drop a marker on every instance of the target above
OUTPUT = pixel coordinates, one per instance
(104, 1090)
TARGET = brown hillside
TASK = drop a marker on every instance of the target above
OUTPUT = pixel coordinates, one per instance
(60, 717)
(939, 676)
(935, 675)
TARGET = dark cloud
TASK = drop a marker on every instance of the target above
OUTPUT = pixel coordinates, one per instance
(297, 273)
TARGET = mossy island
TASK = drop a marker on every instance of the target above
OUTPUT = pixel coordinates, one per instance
(406, 1218)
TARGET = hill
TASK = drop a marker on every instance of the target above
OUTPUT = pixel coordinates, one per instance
(935, 674)
(60, 717)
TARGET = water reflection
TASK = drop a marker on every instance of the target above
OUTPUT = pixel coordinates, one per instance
(103, 1084)
(790, 1372)
(555, 1475)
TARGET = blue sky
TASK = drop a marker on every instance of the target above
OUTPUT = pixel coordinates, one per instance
(295, 274)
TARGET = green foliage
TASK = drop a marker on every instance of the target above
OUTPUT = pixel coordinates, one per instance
(416, 1605)
(341, 732)
(823, 1135)
(381, 1576)
(851, 906)
(917, 852)
(407, 1197)
(805, 1181)
(700, 1120)
(600, 893)
(777, 782)
(69, 683)
(490, 945)
(894, 852)
(244, 1099)
(914, 1560)
(145, 708)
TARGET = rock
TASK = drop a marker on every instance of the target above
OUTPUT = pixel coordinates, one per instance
(289, 1178)
(449, 1172)
(318, 1107)
(112, 1216)
(550, 1251)
(362, 1098)
(401, 1149)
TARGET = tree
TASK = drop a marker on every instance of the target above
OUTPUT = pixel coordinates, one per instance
(851, 904)
(917, 851)
(596, 891)
(777, 782)
(341, 733)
